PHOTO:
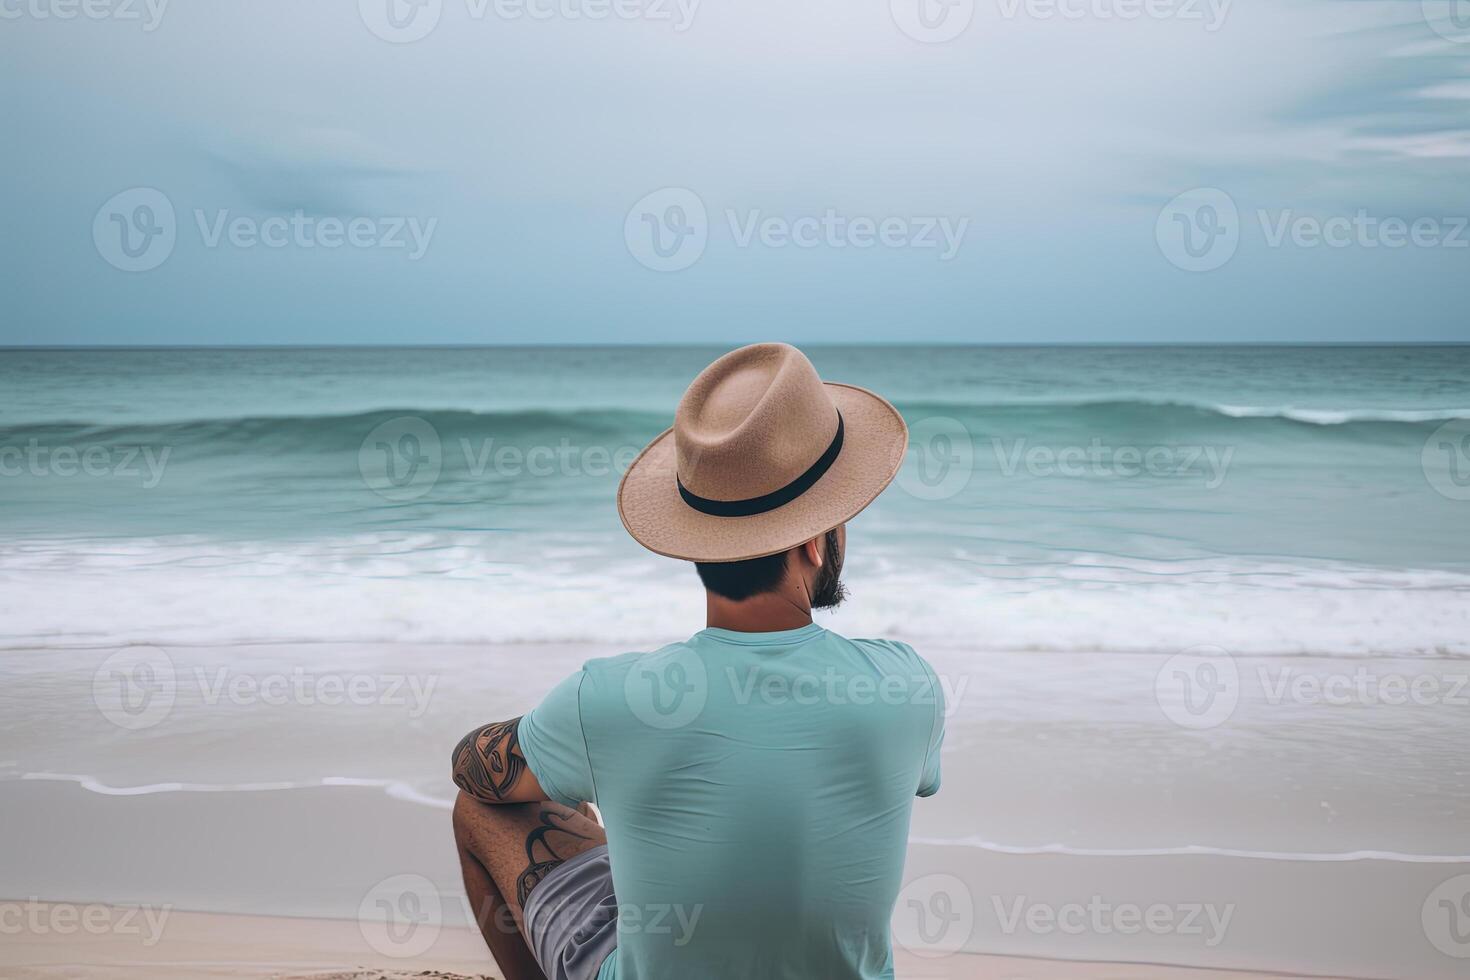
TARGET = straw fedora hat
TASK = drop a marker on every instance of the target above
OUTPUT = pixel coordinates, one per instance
(763, 455)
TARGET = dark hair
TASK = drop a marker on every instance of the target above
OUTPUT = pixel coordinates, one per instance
(737, 580)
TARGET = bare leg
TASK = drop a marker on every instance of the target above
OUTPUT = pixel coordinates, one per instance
(505, 850)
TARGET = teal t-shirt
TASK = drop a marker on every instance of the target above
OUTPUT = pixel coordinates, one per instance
(756, 789)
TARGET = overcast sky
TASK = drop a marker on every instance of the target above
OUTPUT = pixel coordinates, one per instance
(523, 171)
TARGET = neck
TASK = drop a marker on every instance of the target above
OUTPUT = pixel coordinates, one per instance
(768, 612)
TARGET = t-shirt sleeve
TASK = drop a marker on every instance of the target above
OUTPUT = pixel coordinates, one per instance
(555, 747)
(929, 780)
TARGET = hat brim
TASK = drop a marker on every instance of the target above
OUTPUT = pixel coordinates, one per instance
(874, 442)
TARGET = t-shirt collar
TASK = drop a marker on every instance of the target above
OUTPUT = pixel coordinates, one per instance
(774, 638)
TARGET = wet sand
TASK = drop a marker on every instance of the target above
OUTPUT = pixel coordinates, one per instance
(194, 870)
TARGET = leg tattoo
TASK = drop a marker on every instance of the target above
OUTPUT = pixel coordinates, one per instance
(541, 856)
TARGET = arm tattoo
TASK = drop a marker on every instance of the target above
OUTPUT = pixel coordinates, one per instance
(488, 761)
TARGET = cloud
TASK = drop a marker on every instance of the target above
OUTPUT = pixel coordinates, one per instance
(316, 169)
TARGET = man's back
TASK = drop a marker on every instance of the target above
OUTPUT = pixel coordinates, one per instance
(756, 789)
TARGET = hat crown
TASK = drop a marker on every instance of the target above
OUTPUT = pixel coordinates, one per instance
(752, 422)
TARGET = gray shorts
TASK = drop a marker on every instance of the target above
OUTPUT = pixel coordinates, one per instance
(571, 917)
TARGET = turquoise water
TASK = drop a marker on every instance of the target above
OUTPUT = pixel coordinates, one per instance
(1270, 499)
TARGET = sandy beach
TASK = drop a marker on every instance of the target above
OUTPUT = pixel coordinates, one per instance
(202, 945)
(182, 875)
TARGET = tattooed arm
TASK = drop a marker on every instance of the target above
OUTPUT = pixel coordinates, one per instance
(489, 766)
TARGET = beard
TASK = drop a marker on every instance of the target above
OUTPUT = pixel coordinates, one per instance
(828, 591)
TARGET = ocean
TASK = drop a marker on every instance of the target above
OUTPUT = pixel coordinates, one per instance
(1125, 499)
(262, 576)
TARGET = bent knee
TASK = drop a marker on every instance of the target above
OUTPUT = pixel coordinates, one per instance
(475, 820)
(469, 813)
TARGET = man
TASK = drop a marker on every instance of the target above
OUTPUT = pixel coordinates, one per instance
(756, 780)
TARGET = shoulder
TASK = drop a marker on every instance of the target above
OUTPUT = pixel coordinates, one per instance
(618, 666)
(609, 675)
(891, 653)
(902, 668)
